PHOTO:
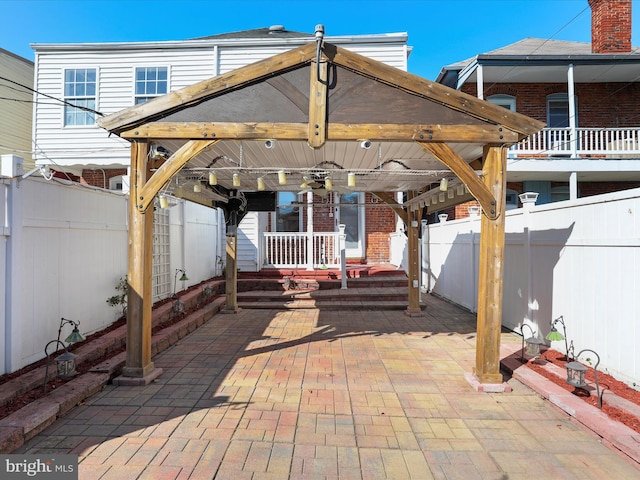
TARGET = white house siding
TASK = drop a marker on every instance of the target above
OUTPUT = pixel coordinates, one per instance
(249, 243)
(15, 116)
(91, 145)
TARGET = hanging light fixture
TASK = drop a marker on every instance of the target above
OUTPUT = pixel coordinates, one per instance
(444, 184)
(213, 178)
(197, 188)
(236, 180)
(261, 185)
(282, 177)
(305, 183)
(164, 201)
(351, 179)
(328, 183)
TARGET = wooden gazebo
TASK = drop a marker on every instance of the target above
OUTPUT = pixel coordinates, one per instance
(315, 106)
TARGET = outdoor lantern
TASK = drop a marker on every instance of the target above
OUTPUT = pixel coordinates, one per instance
(282, 177)
(164, 202)
(554, 335)
(533, 343)
(444, 184)
(183, 278)
(261, 185)
(576, 372)
(66, 364)
(236, 180)
(213, 178)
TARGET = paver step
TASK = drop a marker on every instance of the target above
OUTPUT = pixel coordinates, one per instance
(296, 283)
(385, 298)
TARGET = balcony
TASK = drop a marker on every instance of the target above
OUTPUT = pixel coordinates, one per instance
(580, 142)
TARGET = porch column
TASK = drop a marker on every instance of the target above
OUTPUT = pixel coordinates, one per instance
(491, 267)
(231, 275)
(571, 93)
(310, 246)
(413, 245)
(139, 369)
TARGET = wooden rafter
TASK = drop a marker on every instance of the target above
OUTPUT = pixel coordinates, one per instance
(318, 104)
(185, 153)
(464, 172)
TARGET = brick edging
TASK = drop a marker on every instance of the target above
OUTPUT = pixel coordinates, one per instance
(29, 421)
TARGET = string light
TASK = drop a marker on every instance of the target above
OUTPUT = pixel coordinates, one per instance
(282, 177)
(236, 180)
(261, 185)
(213, 178)
(328, 183)
(197, 188)
(444, 185)
(351, 180)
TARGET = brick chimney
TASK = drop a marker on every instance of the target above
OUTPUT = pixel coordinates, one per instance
(610, 26)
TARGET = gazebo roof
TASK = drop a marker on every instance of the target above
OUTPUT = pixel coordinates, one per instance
(388, 127)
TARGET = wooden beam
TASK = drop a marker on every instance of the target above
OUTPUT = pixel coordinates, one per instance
(150, 189)
(138, 356)
(491, 269)
(398, 208)
(463, 171)
(318, 104)
(480, 134)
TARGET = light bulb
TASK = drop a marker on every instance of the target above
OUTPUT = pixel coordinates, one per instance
(351, 180)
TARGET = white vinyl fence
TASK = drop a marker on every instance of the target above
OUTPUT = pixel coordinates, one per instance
(576, 259)
(63, 249)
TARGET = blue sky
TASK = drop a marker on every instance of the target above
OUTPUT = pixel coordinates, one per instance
(440, 31)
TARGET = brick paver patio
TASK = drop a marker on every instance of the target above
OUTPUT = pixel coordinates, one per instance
(309, 394)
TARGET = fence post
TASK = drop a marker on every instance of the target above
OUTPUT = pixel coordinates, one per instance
(343, 256)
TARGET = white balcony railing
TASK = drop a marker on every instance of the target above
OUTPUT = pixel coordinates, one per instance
(301, 250)
(565, 142)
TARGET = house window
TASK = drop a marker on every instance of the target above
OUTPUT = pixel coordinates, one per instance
(506, 101)
(80, 92)
(150, 82)
(558, 110)
(511, 200)
(287, 213)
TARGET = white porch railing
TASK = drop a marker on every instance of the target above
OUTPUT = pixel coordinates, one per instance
(301, 250)
(610, 142)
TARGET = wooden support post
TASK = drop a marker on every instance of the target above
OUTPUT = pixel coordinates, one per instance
(413, 244)
(231, 275)
(139, 369)
(491, 268)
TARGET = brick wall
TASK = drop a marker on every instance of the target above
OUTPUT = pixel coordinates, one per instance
(100, 178)
(610, 26)
(599, 104)
(380, 222)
